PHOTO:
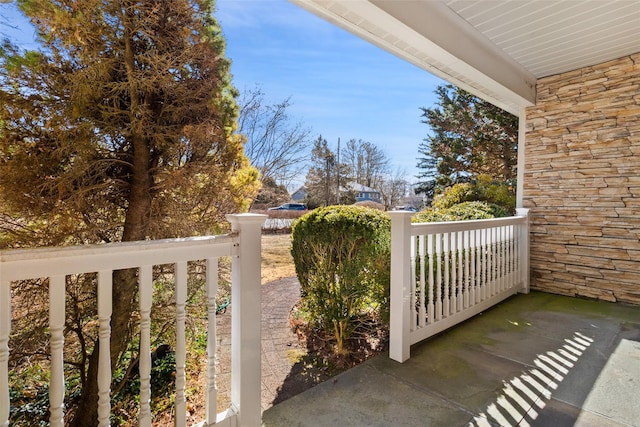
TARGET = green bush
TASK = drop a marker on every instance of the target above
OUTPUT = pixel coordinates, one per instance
(457, 193)
(483, 189)
(342, 260)
(462, 212)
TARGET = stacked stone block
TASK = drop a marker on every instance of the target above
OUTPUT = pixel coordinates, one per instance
(582, 182)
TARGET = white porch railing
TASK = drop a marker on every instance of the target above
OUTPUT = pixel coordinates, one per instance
(444, 273)
(243, 245)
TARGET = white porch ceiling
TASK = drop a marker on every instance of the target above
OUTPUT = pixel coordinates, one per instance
(496, 49)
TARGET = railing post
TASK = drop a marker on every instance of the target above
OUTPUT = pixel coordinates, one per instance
(399, 323)
(246, 345)
(523, 256)
(5, 329)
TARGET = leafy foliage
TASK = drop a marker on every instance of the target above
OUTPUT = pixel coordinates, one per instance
(120, 128)
(469, 137)
(462, 212)
(341, 255)
(483, 188)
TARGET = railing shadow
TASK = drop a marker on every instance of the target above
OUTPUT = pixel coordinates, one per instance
(580, 378)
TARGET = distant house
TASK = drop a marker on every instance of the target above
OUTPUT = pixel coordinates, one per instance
(365, 194)
(362, 193)
(299, 195)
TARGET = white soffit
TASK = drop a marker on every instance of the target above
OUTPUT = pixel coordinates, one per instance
(550, 37)
(495, 49)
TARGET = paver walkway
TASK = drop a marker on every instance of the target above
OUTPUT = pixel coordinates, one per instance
(280, 346)
(282, 374)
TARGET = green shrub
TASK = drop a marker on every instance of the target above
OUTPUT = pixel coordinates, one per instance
(342, 255)
(462, 212)
(457, 193)
(483, 189)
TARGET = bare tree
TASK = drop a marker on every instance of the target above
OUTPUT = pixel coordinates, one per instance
(276, 145)
(367, 162)
(393, 189)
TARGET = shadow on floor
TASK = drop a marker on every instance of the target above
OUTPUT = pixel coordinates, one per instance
(537, 359)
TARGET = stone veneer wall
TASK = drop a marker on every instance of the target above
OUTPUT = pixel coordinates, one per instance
(582, 182)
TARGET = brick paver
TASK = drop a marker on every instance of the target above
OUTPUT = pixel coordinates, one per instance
(280, 346)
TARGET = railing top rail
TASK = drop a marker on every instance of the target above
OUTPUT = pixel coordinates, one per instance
(22, 264)
(476, 224)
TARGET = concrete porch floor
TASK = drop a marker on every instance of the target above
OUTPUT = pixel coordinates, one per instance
(537, 359)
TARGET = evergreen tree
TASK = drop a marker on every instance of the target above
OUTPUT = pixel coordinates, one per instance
(468, 137)
(120, 128)
(320, 180)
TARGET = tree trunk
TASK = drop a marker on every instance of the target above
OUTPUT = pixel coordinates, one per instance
(136, 225)
(125, 285)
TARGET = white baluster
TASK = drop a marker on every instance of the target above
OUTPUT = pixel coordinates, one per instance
(467, 261)
(56, 329)
(484, 249)
(489, 265)
(496, 260)
(474, 298)
(212, 389)
(412, 295)
(503, 258)
(446, 302)
(105, 288)
(512, 254)
(512, 240)
(438, 238)
(181, 346)
(430, 311)
(146, 287)
(454, 272)
(422, 311)
(461, 278)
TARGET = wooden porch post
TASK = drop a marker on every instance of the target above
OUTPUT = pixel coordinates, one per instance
(246, 320)
(399, 340)
(5, 329)
(523, 256)
(522, 131)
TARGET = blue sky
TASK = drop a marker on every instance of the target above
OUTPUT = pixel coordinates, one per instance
(340, 86)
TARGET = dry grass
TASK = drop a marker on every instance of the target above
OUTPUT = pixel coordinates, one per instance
(277, 262)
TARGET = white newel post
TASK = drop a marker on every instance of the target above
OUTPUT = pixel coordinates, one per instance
(523, 256)
(399, 344)
(5, 329)
(246, 321)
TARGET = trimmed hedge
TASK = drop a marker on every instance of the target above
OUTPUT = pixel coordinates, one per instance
(342, 260)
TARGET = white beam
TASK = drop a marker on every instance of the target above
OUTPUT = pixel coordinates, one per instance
(433, 37)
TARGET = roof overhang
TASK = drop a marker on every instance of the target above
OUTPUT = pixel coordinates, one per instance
(494, 49)
(431, 36)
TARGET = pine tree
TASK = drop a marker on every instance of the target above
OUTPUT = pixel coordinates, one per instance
(120, 128)
(468, 137)
(320, 180)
